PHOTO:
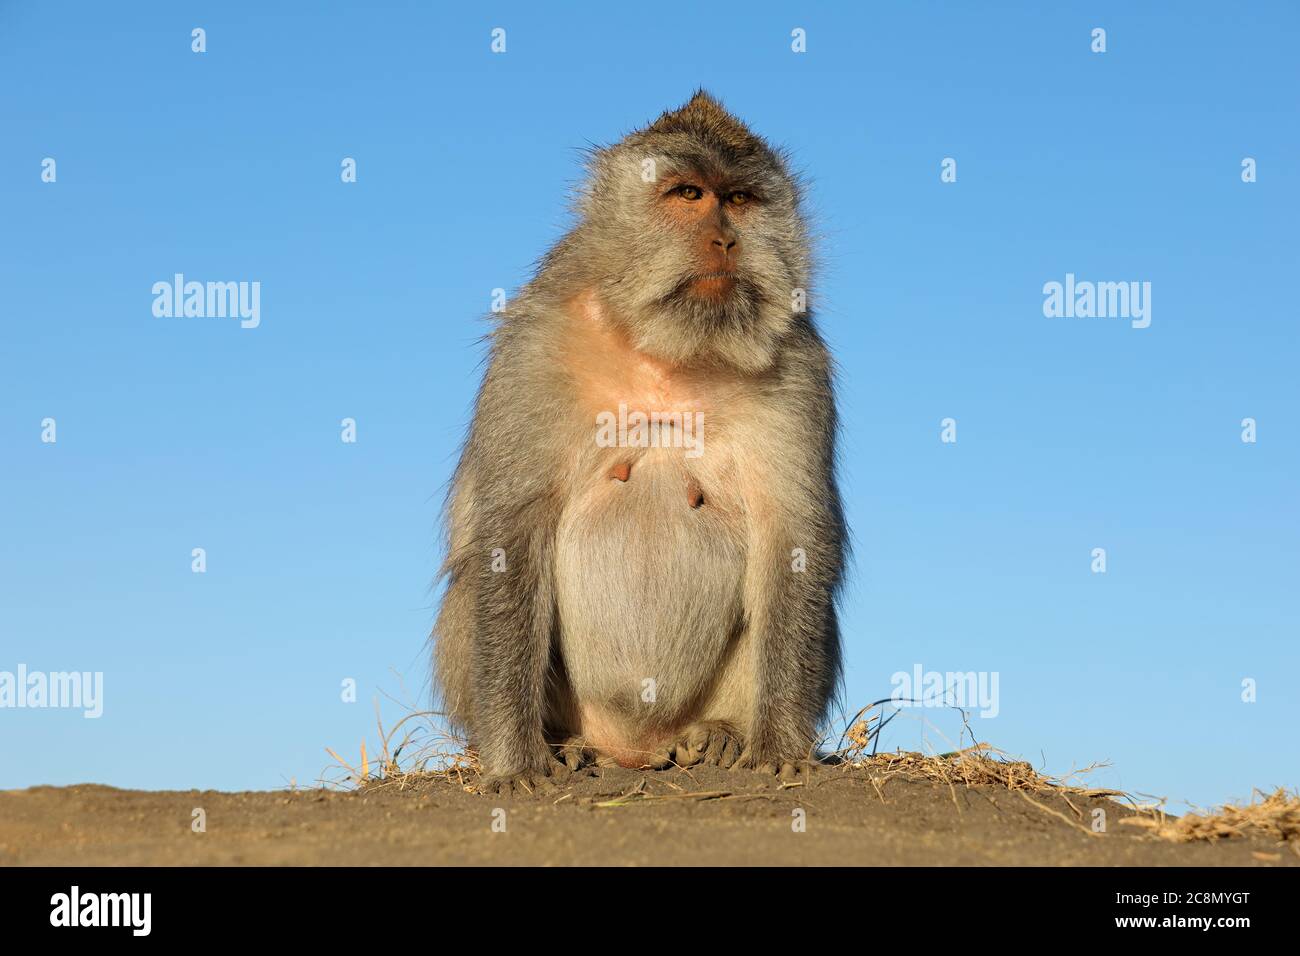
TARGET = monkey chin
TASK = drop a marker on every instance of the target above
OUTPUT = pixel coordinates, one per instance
(714, 287)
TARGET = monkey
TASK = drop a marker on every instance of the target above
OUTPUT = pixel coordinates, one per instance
(619, 586)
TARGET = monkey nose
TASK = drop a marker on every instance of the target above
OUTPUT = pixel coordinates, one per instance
(726, 245)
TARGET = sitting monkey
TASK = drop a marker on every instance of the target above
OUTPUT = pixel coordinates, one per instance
(644, 535)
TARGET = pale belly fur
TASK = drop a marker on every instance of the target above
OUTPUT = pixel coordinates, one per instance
(649, 602)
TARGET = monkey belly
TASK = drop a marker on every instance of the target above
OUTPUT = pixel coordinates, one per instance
(648, 588)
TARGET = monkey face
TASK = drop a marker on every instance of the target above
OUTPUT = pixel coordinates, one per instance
(704, 216)
(695, 240)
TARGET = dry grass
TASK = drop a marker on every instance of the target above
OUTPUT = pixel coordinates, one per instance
(432, 753)
(1275, 815)
(427, 753)
(980, 765)
(426, 750)
(977, 765)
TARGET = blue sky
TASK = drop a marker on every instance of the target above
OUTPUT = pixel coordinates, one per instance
(1072, 434)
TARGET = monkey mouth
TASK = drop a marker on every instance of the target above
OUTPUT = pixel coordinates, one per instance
(713, 284)
(721, 289)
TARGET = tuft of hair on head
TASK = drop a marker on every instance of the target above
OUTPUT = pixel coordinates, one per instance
(706, 118)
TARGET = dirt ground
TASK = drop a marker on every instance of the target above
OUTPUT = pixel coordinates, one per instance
(704, 816)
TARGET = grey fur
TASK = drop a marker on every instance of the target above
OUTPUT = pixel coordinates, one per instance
(606, 586)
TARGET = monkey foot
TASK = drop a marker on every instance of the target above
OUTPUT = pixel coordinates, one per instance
(708, 743)
(787, 771)
(575, 754)
(527, 782)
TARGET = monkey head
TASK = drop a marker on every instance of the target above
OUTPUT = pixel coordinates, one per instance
(692, 235)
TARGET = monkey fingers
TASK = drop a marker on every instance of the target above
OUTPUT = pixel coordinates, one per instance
(575, 754)
(665, 756)
(515, 785)
(711, 744)
(787, 771)
(724, 748)
(527, 782)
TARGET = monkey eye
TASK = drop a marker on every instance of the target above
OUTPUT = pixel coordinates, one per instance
(690, 193)
(739, 198)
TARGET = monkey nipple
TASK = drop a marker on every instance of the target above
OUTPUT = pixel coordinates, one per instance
(694, 494)
(621, 472)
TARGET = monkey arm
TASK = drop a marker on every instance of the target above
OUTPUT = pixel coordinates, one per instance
(794, 567)
(513, 621)
(515, 516)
